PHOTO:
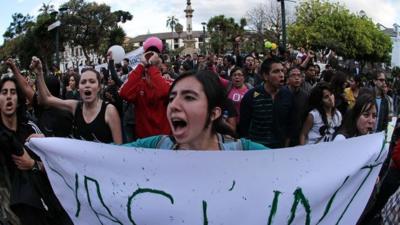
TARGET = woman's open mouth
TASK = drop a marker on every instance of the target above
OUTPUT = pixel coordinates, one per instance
(87, 93)
(178, 124)
(370, 130)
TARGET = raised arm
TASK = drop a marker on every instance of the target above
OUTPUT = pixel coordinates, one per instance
(113, 72)
(45, 97)
(22, 82)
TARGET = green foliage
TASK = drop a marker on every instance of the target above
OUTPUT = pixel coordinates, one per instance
(265, 22)
(122, 16)
(116, 37)
(87, 25)
(34, 39)
(223, 32)
(321, 24)
(172, 21)
(178, 28)
(92, 26)
(396, 71)
(19, 25)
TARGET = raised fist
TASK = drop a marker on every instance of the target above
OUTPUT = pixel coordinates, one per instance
(11, 63)
(36, 65)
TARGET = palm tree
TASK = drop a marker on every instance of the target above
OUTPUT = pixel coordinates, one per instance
(172, 21)
(46, 8)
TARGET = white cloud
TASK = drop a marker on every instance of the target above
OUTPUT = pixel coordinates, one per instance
(151, 15)
(385, 12)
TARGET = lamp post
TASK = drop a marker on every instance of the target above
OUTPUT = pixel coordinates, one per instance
(52, 26)
(283, 23)
(56, 25)
(204, 38)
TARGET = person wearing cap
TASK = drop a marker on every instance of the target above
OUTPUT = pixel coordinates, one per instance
(148, 91)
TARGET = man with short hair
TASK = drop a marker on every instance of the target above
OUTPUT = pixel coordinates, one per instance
(195, 59)
(381, 101)
(251, 76)
(125, 64)
(379, 81)
(300, 102)
(309, 81)
(265, 111)
(229, 64)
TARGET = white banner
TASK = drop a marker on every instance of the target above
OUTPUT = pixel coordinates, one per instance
(133, 56)
(328, 183)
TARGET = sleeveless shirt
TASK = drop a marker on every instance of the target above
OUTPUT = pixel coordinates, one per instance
(97, 130)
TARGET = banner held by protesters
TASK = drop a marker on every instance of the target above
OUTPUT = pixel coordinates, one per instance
(328, 183)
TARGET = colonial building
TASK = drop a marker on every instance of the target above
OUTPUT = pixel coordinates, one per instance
(394, 34)
(173, 41)
(74, 57)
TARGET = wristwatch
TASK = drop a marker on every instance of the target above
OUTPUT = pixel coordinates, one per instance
(36, 167)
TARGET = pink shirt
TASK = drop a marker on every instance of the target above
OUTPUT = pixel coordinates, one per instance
(236, 95)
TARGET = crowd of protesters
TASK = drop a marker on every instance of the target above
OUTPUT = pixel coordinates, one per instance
(199, 102)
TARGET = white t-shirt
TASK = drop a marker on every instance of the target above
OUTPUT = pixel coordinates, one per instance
(319, 132)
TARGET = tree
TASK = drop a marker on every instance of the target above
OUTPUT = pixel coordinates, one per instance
(265, 21)
(89, 25)
(223, 32)
(320, 24)
(30, 38)
(46, 8)
(179, 29)
(172, 21)
(116, 37)
(122, 16)
(19, 25)
(41, 40)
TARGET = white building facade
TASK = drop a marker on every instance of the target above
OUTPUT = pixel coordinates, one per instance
(73, 57)
(396, 46)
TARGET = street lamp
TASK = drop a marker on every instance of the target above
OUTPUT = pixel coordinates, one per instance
(56, 25)
(283, 23)
(204, 38)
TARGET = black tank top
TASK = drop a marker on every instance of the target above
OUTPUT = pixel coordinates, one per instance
(97, 130)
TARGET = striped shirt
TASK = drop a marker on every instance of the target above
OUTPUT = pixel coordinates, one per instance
(264, 120)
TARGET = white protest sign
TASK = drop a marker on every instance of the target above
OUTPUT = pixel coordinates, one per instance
(328, 183)
(133, 56)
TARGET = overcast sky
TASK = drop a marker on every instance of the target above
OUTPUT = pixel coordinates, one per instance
(151, 15)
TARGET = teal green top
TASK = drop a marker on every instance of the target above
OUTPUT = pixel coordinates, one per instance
(165, 142)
